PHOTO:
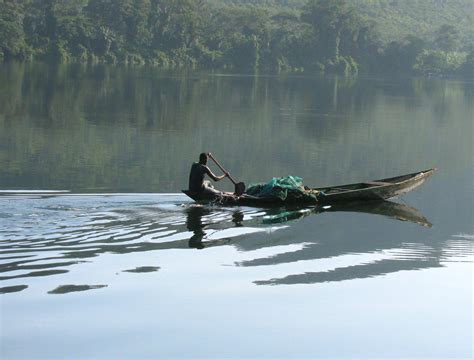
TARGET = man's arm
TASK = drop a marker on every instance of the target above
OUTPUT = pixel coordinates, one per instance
(214, 177)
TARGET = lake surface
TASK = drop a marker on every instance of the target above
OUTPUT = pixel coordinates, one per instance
(125, 266)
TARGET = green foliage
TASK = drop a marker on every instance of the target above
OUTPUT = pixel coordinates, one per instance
(339, 36)
(447, 38)
(402, 56)
(12, 36)
(467, 69)
(437, 62)
(396, 19)
(345, 65)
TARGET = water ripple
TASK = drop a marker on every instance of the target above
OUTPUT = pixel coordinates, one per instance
(46, 236)
(69, 229)
(65, 289)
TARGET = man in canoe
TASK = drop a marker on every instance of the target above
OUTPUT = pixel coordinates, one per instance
(196, 177)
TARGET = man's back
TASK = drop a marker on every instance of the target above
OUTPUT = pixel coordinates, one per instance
(196, 176)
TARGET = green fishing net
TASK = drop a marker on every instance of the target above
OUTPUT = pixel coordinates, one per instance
(284, 188)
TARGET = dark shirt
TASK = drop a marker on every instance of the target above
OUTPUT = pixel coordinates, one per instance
(196, 176)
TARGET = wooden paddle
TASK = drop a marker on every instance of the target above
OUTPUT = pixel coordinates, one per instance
(239, 187)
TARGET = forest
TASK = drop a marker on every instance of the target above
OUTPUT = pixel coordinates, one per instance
(420, 37)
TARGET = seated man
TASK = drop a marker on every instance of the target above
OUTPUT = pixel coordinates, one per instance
(196, 178)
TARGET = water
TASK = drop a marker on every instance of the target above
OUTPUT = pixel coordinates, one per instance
(124, 266)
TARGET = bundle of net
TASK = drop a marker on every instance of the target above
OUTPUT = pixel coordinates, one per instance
(289, 188)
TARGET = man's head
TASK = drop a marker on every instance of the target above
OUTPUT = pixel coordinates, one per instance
(203, 158)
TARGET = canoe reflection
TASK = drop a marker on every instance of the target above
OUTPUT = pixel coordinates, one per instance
(416, 258)
(373, 257)
(196, 216)
(386, 208)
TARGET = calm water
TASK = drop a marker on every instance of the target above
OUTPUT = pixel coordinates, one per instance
(124, 266)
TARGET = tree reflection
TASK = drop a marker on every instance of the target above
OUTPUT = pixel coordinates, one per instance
(84, 128)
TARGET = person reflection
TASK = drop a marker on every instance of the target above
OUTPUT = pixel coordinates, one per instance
(194, 223)
(237, 218)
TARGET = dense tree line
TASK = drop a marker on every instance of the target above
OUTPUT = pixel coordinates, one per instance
(313, 35)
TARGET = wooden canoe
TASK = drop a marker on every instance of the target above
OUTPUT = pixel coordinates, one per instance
(381, 189)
